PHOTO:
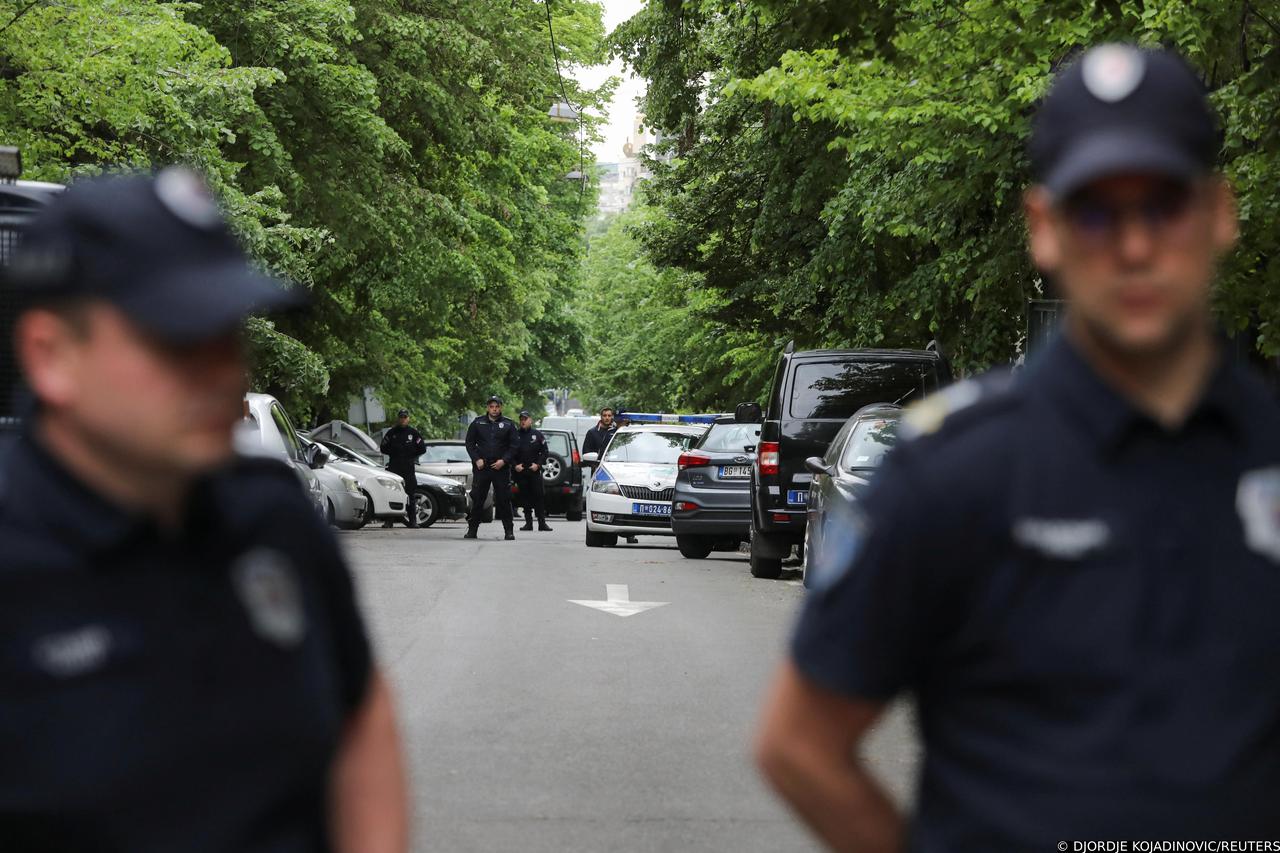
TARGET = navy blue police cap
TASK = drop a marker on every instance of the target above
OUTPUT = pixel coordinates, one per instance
(524, 413)
(158, 248)
(403, 413)
(493, 398)
(1118, 110)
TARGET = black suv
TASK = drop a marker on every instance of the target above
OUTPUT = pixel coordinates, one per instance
(562, 475)
(813, 394)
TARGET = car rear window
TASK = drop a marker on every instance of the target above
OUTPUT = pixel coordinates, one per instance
(730, 438)
(870, 443)
(436, 453)
(558, 443)
(663, 448)
(837, 389)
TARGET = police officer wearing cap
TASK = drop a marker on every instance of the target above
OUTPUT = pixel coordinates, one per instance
(530, 458)
(491, 446)
(402, 445)
(182, 662)
(1076, 572)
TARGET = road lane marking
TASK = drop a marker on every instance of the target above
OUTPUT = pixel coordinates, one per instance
(618, 601)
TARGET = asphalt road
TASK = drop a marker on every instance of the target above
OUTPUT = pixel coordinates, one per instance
(536, 724)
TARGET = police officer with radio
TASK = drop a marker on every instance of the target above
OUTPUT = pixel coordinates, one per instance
(402, 445)
(1076, 572)
(182, 661)
(530, 458)
(491, 444)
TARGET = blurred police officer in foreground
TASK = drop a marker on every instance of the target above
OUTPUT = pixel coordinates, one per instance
(1076, 573)
(597, 438)
(182, 664)
(530, 457)
(491, 446)
(402, 445)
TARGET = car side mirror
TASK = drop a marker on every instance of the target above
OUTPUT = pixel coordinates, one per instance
(591, 458)
(748, 413)
(815, 465)
(315, 456)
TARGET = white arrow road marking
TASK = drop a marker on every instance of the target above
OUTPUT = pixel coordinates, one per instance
(619, 601)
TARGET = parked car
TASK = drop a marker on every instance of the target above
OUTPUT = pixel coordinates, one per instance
(384, 491)
(632, 488)
(712, 500)
(266, 430)
(841, 477)
(562, 475)
(812, 395)
(345, 504)
(449, 459)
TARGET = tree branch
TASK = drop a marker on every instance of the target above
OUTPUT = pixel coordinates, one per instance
(24, 10)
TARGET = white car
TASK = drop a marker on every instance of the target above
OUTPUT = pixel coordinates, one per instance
(383, 490)
(631, 489)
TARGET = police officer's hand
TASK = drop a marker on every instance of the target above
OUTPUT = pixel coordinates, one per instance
(479, 464)
(533, 466)
(519, 469)
(497, 466)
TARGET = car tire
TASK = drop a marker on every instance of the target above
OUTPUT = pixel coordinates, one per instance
(427, 507)
(601, 540)
(573, 515)
(762, 566)
(695, 547)
(554, 471)
(805, 551)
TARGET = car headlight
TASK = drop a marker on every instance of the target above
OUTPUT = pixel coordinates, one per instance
(351, 484)
(388, 483)
(607, 487)
(455, 490)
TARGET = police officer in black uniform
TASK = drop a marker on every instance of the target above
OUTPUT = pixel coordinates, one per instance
(491, 446)
(1077, 571)
(402, 444)
(530, 458)
(182, 662)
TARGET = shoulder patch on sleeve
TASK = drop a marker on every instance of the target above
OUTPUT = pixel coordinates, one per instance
(930, 414)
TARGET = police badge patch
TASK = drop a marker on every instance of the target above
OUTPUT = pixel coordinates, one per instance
(268, 588)
(1258, 502)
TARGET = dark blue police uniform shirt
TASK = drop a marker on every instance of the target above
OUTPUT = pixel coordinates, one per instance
(1086, 606)
(180, 692)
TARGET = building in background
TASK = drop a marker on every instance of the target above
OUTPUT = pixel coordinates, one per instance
(618, 181)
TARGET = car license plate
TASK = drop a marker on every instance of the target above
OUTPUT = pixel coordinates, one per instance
(798, 496)
(735, 472)
(651, 509)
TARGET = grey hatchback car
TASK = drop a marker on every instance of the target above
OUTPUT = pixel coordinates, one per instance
(712, 500)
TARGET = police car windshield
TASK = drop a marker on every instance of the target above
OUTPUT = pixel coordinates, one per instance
(444, 453)
(659, 448)
(870, 443)
(731, 438)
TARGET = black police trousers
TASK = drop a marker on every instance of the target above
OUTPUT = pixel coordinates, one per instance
(500, 482)
(410, 477)
(531, 497)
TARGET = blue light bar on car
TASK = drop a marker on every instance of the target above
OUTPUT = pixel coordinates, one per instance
(659, 418)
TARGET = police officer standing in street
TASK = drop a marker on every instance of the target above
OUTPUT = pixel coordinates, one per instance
(182, 662)
(402, 445)
(491, 444)
(531, 456)
(1076, 572)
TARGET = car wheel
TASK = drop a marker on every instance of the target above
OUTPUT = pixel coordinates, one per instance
(427, 509)
(555, 469)
(762, 566)
(806, 553)
(573, 515)
(601, 540)
(695, 547)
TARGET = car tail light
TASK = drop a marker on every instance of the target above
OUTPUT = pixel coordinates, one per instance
(692, 459)
(768, 457)
(685, 506)
(781, 518)
(577, 457)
